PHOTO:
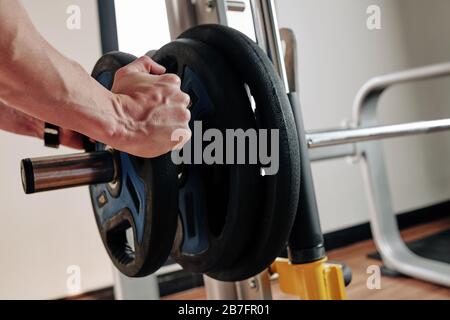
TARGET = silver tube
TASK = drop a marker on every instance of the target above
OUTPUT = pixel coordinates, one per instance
(54, 173)
(345, 136)
(218, 290)
(377, 85)
(181, 16)
(268, 35)
(238, 6)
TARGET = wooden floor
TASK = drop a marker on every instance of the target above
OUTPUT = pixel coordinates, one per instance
(356, 257)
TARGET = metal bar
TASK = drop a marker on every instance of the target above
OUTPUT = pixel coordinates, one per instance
(258, 24)
(237, 6)
(334, 152)
(185, 14)
(373, 88)
(219, 290)
(268, 35)
(345, 136)
(211, 11)
(181, 16)
(256, 288)
(54, 173)
(290, 58)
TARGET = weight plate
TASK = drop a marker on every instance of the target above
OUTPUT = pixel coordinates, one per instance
(214, 216)
(280, 194)
(137, 215)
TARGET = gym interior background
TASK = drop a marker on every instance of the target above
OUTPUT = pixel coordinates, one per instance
(45, 234)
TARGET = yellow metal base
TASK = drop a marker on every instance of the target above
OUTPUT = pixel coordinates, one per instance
(312, 281)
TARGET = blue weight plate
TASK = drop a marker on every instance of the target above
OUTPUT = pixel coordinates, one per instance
(136, 216)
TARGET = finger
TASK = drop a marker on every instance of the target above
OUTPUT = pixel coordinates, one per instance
(176, 115)
(147, 65)
(182, 98)
(171, 78)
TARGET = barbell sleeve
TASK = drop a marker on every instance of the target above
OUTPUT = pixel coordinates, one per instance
(67, 171)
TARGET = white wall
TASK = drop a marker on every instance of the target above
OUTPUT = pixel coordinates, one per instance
(44, 234)
(337, 54)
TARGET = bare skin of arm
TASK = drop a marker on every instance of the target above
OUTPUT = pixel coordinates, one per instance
(139, 117)
(18, 122)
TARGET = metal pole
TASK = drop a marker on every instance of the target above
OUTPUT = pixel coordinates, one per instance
(346, 136)
(181, 16)
(54, 173)
(219, 290)
(268, 35)
(185, 14)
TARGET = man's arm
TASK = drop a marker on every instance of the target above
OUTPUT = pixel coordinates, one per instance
(15, 121)
(39, 81)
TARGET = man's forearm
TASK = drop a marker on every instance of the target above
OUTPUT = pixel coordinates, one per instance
(17, 122)
(37, 80)
(140, 117)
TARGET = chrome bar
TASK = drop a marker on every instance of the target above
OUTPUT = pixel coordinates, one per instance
(237, 6)
(345, 136)
(258, 24)
(181, 16)
(256, 288)
(334, 152)
(211, 11)
(373, 88)
(185, 14)
(268, 35)
(290, 58)
(219, 290)
(54, 173)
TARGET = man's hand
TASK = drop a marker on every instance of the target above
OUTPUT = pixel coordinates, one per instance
(151, 107)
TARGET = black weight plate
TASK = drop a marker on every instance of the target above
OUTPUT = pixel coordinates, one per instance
(215, 218)
(281, 191)
(143, 200)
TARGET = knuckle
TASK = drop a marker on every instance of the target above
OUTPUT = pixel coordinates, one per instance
(185, 99)
(185, 114)
(121, 72)
(146, 59)
(172, 78)
(156, 97)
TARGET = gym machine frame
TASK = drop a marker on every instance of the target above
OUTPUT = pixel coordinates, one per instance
(363, 140)
(306, 274)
